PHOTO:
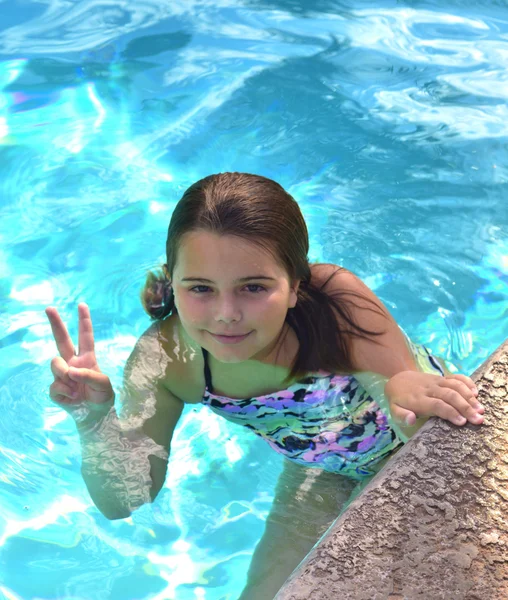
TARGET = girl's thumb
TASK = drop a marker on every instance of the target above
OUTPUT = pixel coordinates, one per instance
(74, 374)
(97, 381)
(403, 416)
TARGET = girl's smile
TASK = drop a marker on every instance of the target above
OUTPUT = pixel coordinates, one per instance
(230, 339)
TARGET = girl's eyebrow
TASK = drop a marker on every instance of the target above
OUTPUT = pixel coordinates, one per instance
(237, 281)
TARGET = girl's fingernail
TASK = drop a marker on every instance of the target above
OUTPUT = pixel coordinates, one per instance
(459, 420)
(475, 391)
(408, 420)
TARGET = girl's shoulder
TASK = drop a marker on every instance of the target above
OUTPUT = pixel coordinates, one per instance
(164, 353)
(321, 272)
(184, 360)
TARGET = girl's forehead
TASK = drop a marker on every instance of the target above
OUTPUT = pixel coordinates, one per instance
(225, 255)
(207, 249)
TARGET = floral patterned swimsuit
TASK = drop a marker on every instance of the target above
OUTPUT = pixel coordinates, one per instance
(327, 421)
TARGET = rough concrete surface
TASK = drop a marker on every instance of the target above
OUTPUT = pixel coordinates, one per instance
(433, 523)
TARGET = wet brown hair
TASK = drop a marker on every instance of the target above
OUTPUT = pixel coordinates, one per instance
(260, 211)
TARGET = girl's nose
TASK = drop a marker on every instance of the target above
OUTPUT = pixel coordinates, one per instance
(227, 311)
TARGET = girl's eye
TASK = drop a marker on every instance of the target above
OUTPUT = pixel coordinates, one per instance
(251, 285)
(194, 289)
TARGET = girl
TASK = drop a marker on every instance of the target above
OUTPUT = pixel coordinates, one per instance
(245, 325)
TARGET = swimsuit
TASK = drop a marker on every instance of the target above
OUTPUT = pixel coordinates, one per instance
(327, 421)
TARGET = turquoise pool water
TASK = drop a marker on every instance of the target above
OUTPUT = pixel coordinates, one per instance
(388, 123)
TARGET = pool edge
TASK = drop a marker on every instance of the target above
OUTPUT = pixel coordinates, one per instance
(433, 523)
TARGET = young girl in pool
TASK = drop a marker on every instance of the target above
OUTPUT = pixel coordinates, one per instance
(304, 355)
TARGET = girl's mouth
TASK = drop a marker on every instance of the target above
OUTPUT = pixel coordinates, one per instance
(230, 339)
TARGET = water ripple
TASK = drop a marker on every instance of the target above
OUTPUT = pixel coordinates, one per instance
(82, 25)
(388, 125)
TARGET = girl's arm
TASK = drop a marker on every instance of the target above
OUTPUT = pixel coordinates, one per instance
(125, 454)
(124, 459)
(124, 466)
(410, 393)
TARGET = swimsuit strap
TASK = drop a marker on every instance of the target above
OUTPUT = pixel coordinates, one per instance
(208, 373)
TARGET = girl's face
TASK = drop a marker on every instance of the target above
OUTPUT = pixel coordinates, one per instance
(246, 293)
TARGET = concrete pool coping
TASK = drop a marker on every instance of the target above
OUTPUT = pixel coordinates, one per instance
(433, 523)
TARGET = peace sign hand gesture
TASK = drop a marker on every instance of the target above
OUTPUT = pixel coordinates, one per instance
(78, 379)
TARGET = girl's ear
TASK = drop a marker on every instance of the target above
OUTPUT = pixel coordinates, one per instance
(293, 293)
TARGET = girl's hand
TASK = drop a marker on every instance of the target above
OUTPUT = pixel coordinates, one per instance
(78, 379)
(412, 394)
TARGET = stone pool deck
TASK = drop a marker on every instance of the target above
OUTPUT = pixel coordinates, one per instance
(433, 523)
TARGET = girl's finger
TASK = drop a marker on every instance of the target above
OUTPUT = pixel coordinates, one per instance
(60, 369)
(467, 381)
(59, 390)
(461, 386)
(451, 406)
(86, 341)
(60, 333)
